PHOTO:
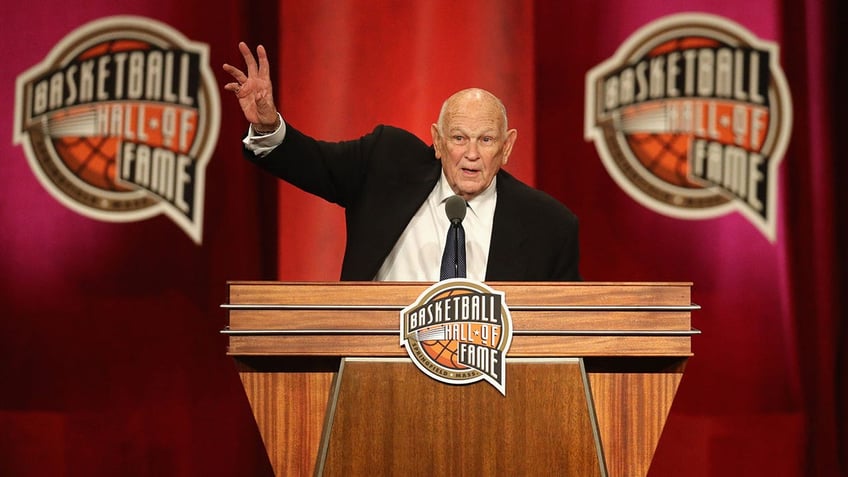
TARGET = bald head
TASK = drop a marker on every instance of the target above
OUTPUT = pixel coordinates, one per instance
(472, 99)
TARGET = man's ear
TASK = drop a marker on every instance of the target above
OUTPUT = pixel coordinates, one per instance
(437, 140)
(511, 135)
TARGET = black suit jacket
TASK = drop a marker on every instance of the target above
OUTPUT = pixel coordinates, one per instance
(382, 178)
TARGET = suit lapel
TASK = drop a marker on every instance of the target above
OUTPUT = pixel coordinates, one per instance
(392, 206)
(508, 234)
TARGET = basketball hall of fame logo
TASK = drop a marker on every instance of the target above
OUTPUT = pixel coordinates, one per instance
(691, 117)
(119, 121)
(458, 332)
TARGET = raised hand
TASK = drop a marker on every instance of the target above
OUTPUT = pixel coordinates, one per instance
(254, 90)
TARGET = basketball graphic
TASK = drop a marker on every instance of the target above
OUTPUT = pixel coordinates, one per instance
(664, 153)
(90, 158)
(442, 352)
(458, 332)
(691, 117)
(120, 120)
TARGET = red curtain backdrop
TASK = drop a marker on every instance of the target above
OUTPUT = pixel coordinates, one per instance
(113, 363)
(760, 396)
(348, 66)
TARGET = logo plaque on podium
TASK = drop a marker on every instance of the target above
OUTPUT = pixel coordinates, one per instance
(459, 332)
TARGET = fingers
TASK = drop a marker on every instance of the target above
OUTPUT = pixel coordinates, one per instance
(255, 81)
(234, 87)
(236, 73)
(249, 60)
(261, 69)
(264, 68)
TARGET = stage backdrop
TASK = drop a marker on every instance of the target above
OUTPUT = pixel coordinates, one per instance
(112, 360)
(761, 395)
(113, 364)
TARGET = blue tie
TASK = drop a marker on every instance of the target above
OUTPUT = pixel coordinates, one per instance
(453, 260)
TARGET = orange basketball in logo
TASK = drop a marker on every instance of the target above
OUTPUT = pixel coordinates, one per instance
(664, 154)
(91, 159)
(444, 352)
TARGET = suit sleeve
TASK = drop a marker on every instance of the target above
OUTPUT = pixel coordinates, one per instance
(334, 171)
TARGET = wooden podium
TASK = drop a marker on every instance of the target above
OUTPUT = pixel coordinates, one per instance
(591, 375)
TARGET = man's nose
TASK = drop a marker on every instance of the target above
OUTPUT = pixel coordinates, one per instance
(473, 150)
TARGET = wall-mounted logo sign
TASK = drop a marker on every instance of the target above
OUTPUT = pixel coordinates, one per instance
(119, 121)
(458, 332)
(691, 117)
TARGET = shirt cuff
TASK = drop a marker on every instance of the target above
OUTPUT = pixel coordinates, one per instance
(262, 144)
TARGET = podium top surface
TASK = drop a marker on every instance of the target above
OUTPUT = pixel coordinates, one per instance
(517, 294)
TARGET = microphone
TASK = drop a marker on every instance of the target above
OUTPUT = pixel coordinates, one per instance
(455, 208)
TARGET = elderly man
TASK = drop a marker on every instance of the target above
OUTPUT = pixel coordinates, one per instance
(393, 187)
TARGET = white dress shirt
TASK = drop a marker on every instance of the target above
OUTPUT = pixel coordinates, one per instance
(417, 255)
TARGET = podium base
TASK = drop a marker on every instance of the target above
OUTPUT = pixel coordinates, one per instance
(386, 417)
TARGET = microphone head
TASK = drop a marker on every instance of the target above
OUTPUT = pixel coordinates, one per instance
(455, 208)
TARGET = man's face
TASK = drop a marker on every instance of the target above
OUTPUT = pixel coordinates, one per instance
(472, 144)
